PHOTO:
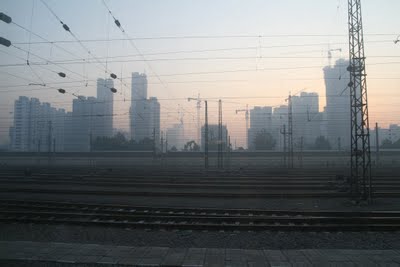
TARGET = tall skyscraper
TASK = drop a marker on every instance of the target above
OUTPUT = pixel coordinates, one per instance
(338, 104)
(138, 106)
(144, 113)
(139, 86)
(103, 109)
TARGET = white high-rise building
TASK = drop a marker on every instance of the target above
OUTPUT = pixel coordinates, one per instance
(138, 106)
(37, 126)
(337, 111)
(306, 120)
(144, 113)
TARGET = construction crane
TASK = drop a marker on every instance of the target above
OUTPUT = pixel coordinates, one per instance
(330, 54)
(198, 107)
(247, 120)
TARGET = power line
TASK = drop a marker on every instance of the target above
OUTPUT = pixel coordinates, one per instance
(208, 37)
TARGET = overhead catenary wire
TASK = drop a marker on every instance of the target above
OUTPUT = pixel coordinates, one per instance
(66, 28)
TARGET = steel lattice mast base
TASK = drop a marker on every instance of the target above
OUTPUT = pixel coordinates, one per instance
(360, 143)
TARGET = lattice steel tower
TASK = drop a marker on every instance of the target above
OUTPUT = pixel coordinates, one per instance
(360, 145)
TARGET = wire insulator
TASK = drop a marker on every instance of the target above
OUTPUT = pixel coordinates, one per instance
(5, 42)
(61, 91)
(5, 18)
(65, 26)
(112, 75)
(117, 23)
(113, 90)
(62, 74)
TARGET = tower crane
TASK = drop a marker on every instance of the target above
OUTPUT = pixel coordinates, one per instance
(198, 106)
(330, 54)
(247, 120)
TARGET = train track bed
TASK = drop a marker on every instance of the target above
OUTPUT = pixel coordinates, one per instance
(141, 217)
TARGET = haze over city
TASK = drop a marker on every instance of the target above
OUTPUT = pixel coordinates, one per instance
(199, 133)
(245, 54)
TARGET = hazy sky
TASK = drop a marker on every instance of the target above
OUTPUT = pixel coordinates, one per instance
(246, 52)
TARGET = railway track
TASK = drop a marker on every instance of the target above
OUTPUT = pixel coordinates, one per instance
(141, 217)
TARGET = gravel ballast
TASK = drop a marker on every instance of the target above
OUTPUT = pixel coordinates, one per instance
(210, 239)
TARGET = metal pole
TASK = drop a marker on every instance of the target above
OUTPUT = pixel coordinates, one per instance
(290, 132)
(220, 160)
(360, 138)
(284, 144)
(377, 143)
(206, 136)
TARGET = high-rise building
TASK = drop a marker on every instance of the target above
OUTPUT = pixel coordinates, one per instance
(139, 86)
(279, 119)
(79, 125)
(260, 120)
(103, 109)
(337, 111)
(144, 113)
(152, 118)
(37, 126)
(138, 106)
(306, 119)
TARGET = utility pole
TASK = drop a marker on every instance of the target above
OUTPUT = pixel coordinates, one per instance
(162, 142)
(206, 136)
(228, 150)
(283, 132)
(301, 152)
(220, 155)
(154, 143)
(290, 132)
(377, 144)
(49, 138)
(360, 138)
(49, 135)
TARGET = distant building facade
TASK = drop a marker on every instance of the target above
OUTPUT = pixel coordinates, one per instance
(260, 120)
(144, 113)
(337, 110)
(102, 122)
(37, 126)
(79, 125)
(279, 124)
(306, 120)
